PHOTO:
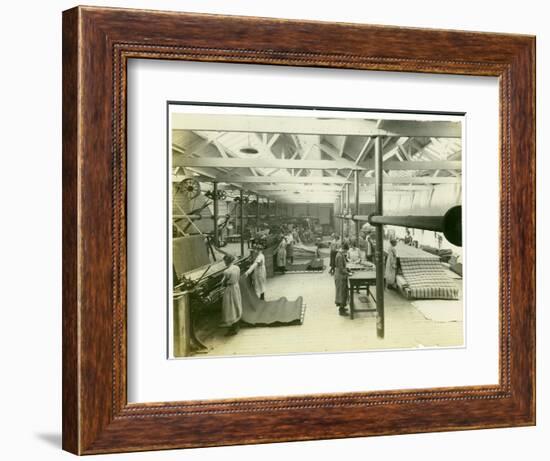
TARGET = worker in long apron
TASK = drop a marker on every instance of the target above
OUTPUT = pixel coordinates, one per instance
(258, 271)
(341, 275)
(391, 265)
(281, 256)
(334, 245)
(290, 247)
(223, 221)
(369, 248)
(232, 306)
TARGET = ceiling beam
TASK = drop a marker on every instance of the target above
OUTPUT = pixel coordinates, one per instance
(333, 153)
(289, 201)
(363, 150)
(401, 187)
(342, 146)
(404, 152)
(320, 188)
(313, 198)
(306, 125)
(177, 150)
(262, 162)
(272, 140)
(297, 187)
(280, 180)
(305, 155)
(331, 180)
(415, 180)
(202, 172)
(416, 165)
(312, 194)
(317, 187)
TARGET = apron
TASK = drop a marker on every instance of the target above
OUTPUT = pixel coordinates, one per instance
(232, 306)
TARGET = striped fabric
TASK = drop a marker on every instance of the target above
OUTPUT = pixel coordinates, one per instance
(425, 279)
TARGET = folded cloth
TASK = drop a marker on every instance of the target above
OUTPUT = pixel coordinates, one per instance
(426, 279)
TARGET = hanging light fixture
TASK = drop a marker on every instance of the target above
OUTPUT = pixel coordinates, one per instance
(249, 149)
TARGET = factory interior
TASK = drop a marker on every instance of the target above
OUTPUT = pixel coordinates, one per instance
(352, 222)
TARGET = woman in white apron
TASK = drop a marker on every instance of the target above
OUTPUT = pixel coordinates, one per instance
(391, 265)
(369, 248)
(232, 306)
(281, 256)
(259, 274)
(354, 254)
(290, 247)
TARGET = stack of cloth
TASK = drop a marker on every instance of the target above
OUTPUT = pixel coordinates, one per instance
(302, 267)
(444, 254)
(422, 276)
(307, 259)
(456, 268)
(304, 251)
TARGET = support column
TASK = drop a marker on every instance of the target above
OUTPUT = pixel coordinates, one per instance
(335, 209)
(241, 210)
(215, 202)
(257, 212)
(357, 204)
(348, 208)
(342, 212)
(379, 252)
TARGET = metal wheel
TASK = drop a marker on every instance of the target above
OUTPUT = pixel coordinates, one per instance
(190, 187)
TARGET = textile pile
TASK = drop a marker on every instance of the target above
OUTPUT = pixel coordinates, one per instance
(313, 265)
(424, 278)
(258, 312)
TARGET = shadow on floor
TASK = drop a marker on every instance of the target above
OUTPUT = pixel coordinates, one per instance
(53, 439)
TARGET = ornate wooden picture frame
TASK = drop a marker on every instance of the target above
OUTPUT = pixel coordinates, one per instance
(97, 44)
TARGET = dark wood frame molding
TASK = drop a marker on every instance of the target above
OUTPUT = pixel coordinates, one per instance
(97, 43)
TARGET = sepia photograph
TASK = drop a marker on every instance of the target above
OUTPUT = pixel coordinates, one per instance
(296, 230)
(287, 230)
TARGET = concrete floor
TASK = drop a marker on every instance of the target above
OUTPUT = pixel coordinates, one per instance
(429, 323)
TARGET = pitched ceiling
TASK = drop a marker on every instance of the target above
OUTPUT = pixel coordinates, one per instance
(312, 167)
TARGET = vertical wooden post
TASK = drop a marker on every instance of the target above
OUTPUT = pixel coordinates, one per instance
(379, 209)
(342, 212)
(215, 202)
(257, 212)
(241, 210)
(348, 209)
(233, 215)
(335, 210)
(357, 205)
